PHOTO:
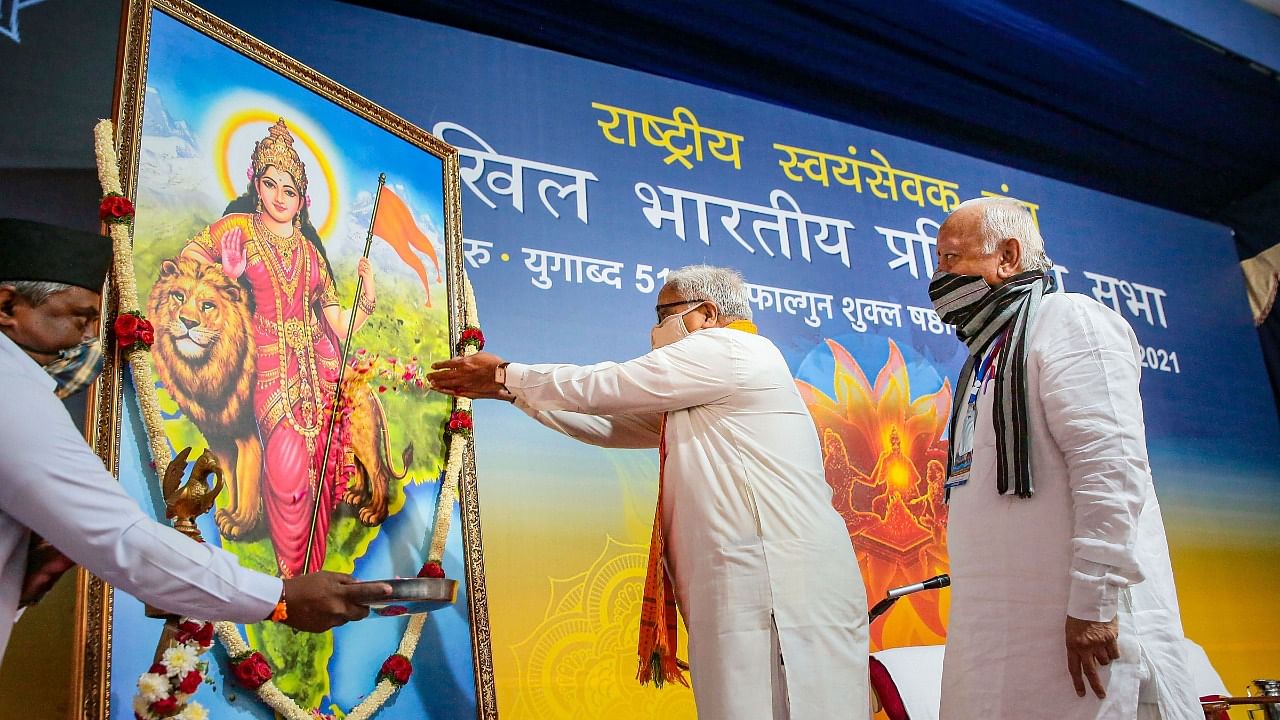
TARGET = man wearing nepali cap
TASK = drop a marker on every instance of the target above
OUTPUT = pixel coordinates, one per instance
(59, 506)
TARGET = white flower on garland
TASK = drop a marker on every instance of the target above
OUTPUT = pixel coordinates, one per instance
(180, 660)
(194, 711)
(141, 707)
(152, 687)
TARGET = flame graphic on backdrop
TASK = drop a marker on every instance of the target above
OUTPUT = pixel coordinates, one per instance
(885, 460)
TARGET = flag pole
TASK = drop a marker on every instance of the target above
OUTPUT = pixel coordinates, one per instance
(337, 390)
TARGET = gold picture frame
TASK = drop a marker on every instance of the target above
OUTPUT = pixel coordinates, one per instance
(96, 606)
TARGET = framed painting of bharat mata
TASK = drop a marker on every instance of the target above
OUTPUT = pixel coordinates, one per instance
(297, 251)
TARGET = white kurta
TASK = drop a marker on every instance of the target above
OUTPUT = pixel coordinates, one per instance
(1089, 543)
(751, 535)
(52, 483)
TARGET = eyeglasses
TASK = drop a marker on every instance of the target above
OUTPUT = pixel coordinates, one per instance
(663, 316)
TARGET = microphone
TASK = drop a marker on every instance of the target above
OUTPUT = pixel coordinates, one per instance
(933, 583)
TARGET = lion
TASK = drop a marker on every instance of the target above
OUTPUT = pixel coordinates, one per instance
(367, 491)
(204, 354)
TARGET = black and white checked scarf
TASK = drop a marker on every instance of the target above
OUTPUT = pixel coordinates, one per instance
(980, 313)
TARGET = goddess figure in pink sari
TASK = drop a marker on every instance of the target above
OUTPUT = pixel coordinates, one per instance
(266, 241)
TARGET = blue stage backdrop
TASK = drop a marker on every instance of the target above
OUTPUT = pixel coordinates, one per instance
(584, 183)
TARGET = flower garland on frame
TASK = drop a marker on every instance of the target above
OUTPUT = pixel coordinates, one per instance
(117, 212)
(134, 334)
(165, 688)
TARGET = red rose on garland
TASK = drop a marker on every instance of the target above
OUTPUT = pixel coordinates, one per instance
(471, 337)
(189, 630)
(190, 682)
(115, 208)
(127, 326)
(431, 570)
(251, 670)
(164, 706)
(460, 422)
(205, 635)
(133, 331)
(186, 631)
(396, 669)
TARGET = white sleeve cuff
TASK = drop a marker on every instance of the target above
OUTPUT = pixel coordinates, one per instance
(517, 374)
(1093, 595)
(261, 592)
(523, 407)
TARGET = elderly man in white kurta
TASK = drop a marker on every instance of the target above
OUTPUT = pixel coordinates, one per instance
(762, 565)
(1063, 604)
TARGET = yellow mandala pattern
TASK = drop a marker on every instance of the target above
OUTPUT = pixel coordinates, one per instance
(580, 662)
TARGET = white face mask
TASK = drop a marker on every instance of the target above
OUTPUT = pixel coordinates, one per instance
(670, 329)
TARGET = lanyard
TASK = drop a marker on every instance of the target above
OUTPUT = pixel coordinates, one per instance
(989, 360)
(963, 460)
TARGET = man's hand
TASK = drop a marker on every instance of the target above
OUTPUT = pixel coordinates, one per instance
(1090, 644)
(45, 566)
(319, 601)
(470, 376)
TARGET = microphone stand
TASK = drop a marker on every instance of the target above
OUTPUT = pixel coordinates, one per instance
(893, 595)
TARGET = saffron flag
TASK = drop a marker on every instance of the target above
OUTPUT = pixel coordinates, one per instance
(394, 224)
